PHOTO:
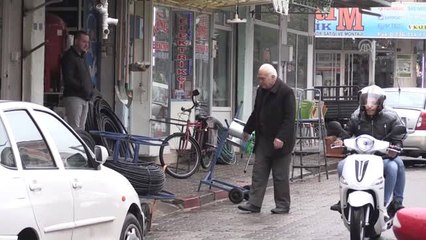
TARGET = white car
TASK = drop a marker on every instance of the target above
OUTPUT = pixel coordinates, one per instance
(410, 104)
(53, 187)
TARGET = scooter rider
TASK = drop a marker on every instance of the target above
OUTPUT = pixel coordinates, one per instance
(378, 121)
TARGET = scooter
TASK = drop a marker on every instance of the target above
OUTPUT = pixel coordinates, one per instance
(362, 186)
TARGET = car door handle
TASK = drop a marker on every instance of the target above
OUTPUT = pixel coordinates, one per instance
(76, 185)
(35, 187)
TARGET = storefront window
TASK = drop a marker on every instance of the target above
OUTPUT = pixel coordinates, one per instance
(328, 43)
(265, 49)
(161, 70)
(266, 13)
(202, 56)
(302, 61)
(220, 17)
(384, 69)
(297, 69)
(299, 22)
(221, 73)
(183, 53)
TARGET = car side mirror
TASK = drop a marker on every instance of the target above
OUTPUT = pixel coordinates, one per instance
(101, 154)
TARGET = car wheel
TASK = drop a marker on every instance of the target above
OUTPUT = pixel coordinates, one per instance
(147, 212)
(131, 229)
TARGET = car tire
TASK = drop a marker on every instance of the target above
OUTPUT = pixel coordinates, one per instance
(147, 212)
(131, 228)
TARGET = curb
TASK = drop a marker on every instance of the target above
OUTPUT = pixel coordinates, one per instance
(213, 195)
(193, 202)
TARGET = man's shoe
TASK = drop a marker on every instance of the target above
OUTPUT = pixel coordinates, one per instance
(249, 208)
(336, 207)
(393, 207)
(278, 210)
(397, 205)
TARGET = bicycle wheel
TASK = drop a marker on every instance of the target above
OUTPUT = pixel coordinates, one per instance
(181, 155)
(207, 146)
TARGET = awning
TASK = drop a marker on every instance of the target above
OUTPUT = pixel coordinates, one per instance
(361, 3)
(213, 4)
(217, 4)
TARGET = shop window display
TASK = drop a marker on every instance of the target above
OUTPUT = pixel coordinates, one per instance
(202, 57)
(161, 70)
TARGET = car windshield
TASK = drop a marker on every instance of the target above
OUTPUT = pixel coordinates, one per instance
(404, 99)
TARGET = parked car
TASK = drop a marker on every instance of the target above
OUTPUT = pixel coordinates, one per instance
(410, 104)
(52, 186)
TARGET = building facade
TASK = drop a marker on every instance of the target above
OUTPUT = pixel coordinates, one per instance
(384, 46)
(147, 65)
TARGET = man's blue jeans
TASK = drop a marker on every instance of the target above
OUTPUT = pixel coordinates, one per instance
(394, 171)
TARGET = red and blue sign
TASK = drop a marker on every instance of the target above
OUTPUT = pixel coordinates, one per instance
(401, 20)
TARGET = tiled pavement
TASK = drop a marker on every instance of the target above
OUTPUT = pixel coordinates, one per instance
(188, 197)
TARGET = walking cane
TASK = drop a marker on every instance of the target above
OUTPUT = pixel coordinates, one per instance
(248, 162)
(249, 149)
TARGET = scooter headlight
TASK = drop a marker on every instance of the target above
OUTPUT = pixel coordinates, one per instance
(365, 144)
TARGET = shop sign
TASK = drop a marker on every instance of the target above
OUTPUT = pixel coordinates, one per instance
(364, 46)
(183, 49)
(401, 20)
(202, 38)
(404, 65)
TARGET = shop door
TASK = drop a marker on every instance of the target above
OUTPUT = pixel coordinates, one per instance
(337, 70)
(356, 69)
(222, 74)
(328, 71)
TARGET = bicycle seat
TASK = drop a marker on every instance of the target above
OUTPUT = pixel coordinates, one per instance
(200, 117)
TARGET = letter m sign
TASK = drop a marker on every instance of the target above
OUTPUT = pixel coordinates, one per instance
(350, 19)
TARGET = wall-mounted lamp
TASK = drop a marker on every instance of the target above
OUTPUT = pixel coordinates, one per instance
(236, 18)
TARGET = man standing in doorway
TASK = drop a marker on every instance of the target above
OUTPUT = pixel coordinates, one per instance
(273, 119)
(78, 87)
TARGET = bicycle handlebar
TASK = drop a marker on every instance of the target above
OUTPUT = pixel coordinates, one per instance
(195, 103)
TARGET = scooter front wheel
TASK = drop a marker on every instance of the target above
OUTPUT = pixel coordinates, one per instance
(357, 223)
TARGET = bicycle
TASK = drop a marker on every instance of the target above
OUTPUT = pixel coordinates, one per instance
(185, 151)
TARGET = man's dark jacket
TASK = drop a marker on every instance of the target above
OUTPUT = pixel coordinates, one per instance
(76, 75)
(273, 117)
(379, 126)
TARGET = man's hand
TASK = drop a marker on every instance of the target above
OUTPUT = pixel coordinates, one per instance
(338, 143)
(278, 144)
(392, 154)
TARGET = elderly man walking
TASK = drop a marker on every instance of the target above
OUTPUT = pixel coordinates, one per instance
(273, 119)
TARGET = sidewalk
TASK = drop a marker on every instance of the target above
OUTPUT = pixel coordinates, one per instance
(188, 197)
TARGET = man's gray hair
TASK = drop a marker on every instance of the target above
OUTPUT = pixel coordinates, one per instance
(269, 69)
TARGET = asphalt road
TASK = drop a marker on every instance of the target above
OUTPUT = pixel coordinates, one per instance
(309, 218)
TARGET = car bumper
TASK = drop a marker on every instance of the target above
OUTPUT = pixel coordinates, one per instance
(8, 237)
(415, 142)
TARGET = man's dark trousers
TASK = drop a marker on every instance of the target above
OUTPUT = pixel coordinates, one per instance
(264, 162)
